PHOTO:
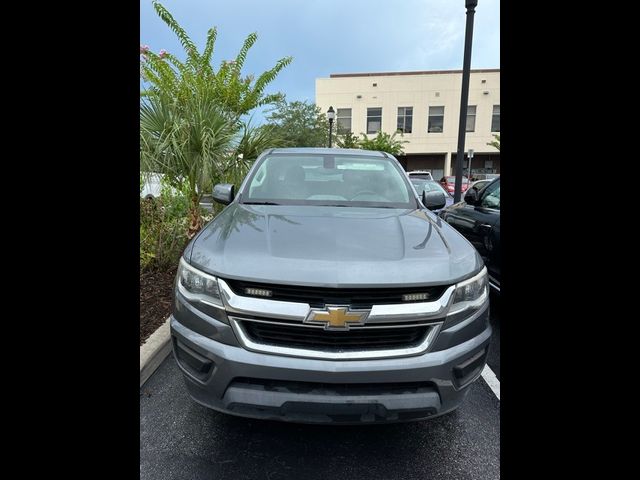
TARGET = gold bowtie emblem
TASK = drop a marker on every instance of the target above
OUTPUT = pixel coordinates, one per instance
(337, 318)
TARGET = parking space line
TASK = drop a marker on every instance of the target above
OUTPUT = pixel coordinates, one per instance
(491, 380)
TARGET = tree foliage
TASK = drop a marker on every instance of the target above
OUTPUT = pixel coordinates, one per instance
(496, 142)
(226, 86)
(253, 140)
(190, 128)
(347, 140)
(299, 124)
(383, 142)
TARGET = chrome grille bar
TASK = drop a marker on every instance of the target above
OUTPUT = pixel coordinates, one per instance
(407, 312)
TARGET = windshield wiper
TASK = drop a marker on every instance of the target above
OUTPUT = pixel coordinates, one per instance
(260, 203)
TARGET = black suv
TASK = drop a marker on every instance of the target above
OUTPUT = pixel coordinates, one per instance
(478, 219)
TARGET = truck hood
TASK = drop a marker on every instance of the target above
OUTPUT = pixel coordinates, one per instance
(332, 247)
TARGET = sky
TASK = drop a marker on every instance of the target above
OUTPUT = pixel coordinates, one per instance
(330, 36)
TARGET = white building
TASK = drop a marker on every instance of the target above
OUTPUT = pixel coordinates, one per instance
(425, 106)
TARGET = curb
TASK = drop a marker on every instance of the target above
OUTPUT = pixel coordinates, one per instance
(154, 350)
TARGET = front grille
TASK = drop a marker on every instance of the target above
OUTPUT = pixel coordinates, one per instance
(318, 297)
(355, 339)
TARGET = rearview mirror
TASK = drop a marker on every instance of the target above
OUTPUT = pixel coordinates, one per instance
(434, 200)
(223, 193)
(471, 197)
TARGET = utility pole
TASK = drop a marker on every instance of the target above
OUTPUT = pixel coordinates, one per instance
(464, 100)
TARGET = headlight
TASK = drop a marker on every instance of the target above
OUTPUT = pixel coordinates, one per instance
(199, 286)
(471, 293)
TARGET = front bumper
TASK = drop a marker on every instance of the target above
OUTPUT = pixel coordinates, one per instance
(231, 379)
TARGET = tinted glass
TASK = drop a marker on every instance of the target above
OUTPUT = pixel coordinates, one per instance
(436, 119)
(471, 118)
(343, 120)
(495, 119)
(405, 119)
(374, 120)
(491, 196)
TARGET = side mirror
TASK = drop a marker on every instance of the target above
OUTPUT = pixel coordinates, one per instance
(223, 193)
(471, 197)
(434, 200)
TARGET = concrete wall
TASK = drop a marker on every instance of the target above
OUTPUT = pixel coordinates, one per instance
(421, 90)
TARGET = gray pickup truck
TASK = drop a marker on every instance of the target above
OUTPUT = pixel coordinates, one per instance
(328, 292)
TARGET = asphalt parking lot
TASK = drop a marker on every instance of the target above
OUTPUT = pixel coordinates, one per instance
(179, 439)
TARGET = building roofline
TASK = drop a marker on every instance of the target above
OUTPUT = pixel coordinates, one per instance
(425, 72)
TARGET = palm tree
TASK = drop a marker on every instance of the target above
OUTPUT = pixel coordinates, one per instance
(190, 128)
(189, 142)
(496, 142)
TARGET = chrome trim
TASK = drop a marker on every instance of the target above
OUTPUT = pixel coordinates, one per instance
(362, 313)
(261, 306)
(405, 312)
(359, 327)
(247, 343)
(401, 312)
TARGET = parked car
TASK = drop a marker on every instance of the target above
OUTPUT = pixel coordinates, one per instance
(449, 183)
(422, 185)
(152, 189)
(327, 291)
(424, 174)
(478, 219)
(152, 185)
(479, 184)
(485, 176)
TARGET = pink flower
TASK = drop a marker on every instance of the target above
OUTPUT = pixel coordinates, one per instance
(163, 53)
(144, 48)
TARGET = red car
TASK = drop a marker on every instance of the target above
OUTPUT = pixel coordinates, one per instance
(449, 184)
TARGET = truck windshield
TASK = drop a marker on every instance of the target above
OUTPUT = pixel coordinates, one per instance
(331, 180)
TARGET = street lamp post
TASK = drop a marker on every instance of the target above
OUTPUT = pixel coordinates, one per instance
(464, 100)
(331, 114)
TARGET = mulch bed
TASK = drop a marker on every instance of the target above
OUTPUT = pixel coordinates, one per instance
(156, 297)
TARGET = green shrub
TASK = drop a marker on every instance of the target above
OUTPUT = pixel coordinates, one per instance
(163, 228)
(383, 142)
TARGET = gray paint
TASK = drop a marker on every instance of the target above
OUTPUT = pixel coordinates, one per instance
(333, 247)
(233, 362)
(329, 247)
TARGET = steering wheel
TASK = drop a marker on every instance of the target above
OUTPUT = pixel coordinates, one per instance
(365, 192)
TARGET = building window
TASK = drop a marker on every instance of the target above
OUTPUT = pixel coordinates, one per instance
(405, 119)
(495, 119)
(471, 118)
(436, 120)
(374, 120)
(343, 120)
